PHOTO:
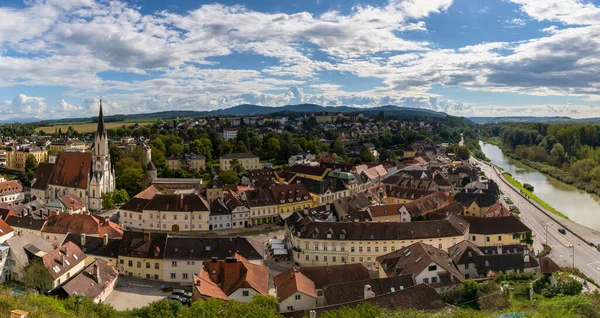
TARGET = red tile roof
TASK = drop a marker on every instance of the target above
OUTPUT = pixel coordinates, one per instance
(206, 287)
(4, 228)
(82, 224)
(148, 193)
(292, 281)
(72, 202)
(231, 276)
(72, 169)
(62, 259)
(12, 186)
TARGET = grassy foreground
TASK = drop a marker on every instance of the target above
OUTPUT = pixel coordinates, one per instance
(518, 184)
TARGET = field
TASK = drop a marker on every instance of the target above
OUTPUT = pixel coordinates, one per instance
(87, 127)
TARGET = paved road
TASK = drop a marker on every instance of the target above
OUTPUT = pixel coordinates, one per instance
(587, 259)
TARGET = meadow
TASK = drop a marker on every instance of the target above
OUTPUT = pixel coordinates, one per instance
(86, 127)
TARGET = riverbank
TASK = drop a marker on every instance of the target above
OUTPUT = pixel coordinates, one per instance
(534, 197)
(552, 171)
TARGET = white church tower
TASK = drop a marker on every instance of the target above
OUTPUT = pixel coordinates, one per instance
(103, 174)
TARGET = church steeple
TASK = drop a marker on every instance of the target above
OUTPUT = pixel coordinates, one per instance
(100, 131)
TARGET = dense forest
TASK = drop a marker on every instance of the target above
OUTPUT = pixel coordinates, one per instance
(568, 151)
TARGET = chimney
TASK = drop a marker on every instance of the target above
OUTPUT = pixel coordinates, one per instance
(368, 292)
(83, 239)
(62, 260)
(66, 251)
(105, 239)
(97, 274)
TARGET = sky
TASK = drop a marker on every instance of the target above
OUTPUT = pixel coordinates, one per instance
(463, 57)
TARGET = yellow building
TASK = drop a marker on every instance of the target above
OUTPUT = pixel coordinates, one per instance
(311, 172)
(331, 243)
(291, 198)
(186, 161)
(61, 145)
(498, 231)
(247, 160)
(141, 254)
(475, 204)
(16, 159)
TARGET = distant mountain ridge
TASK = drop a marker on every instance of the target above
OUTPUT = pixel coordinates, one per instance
(520, 119)
(251, 110)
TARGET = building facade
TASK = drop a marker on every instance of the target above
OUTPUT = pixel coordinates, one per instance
(247, 160)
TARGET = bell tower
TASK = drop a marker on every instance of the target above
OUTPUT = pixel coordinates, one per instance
(103, 176)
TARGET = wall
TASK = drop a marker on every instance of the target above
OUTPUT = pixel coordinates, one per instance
(188, 267)
(69, 274)
(239, 295)
(142, 271)
(495, 239)
(305, 302)
(365, 252)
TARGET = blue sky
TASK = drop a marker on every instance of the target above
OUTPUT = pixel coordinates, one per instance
(463, 57)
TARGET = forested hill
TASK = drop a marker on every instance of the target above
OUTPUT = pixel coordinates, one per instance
(254, 110)
(518, 119)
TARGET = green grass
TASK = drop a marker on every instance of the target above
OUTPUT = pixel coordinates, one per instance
(532, 196)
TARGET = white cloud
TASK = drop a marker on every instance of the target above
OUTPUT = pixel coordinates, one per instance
(574, 12)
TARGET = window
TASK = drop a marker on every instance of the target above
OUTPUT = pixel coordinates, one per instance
(317, 258)
(174, 263)
(306, 246)
(376, 249)
(487, 239)
(473, 238)
(245, 293)
(499, 237)
(307, 258)
(319, 293)
(130, 263)
(290, 308)
(426, 280)
(433, 279)
(360, 249)
(385, 249)
(325, 258)
(440, 246)
(334, 259)
(343, 259)
(156, 266)
(360, 259)
(147, 265)
(316, 246)
(147, 276)
(467, 266)
(324, 247)
(173, 275)
(352, 259)
(185, 275)
(139, 264)
(352, 249)
(121, 262)
(297, 297)
(433, 268)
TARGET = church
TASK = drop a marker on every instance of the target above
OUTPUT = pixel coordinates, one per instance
(82, 174)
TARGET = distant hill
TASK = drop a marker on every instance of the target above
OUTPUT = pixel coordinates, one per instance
(254, 110)
(518, 119)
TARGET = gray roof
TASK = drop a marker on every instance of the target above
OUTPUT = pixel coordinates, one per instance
(20, 244)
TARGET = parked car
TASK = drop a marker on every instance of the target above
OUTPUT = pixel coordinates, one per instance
(182, 293)
(562, 231)
(181, 299)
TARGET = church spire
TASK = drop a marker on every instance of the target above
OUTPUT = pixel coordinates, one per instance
(100, 131)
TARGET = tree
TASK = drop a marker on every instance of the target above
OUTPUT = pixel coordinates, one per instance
(558, 153)
(131, 180)
(107, 201)
(240, 146)
(237, 166)
(469, 290)
(272, 148)
(366, 155)
(338, 148)
(37, 277)
(202, 146)
(31, 163)
(528, 187)
(120, 196)
(229, 177)
(175, 149)
(226, 148)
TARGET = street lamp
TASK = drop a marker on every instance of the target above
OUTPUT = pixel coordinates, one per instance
(546, 227)
(573, 253)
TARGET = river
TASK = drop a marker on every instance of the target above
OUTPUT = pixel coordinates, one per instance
(581, 207)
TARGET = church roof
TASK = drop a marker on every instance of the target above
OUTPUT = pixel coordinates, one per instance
(72, 169)
(100, 130)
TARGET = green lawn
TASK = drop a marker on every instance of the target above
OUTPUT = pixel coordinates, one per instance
(532, 196)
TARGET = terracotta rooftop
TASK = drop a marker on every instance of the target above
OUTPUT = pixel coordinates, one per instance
(72, 169)
(206, 287)
(62, 259)
(231, 274)
(12, 186)
(292, 281)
